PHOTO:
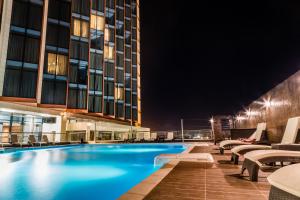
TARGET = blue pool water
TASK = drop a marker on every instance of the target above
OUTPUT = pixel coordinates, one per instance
(101, 172)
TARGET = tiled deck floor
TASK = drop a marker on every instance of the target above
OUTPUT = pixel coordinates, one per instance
(190, 180)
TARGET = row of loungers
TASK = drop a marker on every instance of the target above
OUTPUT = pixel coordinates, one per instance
(285, 182)
(31, 142)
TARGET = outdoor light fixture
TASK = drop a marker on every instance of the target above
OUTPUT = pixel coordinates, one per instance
(250, 113)
(212, 120)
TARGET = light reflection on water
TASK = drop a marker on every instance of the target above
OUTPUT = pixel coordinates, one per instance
(81, 172)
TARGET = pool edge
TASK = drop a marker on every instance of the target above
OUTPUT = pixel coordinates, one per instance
(141, 190)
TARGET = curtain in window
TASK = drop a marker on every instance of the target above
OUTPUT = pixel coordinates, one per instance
(28, 84)
(62, 63)
(73, 73)
(31, 52)
(15, 47)
(11, 82)
(127, 97)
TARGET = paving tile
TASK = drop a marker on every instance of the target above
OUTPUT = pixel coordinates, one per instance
(191, 180)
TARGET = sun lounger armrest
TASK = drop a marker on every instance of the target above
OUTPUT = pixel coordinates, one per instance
(289, 147)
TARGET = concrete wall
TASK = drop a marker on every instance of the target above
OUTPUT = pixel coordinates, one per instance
(275, 108)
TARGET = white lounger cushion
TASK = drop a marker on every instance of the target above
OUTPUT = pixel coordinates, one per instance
(255, 156)
(237, 149)
(232, 142)
(256, 135)
(287, 179)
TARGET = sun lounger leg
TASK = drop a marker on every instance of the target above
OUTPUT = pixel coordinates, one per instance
(235, 159)
(221, 150)
(252, 169)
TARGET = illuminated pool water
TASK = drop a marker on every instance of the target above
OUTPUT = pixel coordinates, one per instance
(80, 172)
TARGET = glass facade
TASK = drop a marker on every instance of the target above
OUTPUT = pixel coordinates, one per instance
(90, 61)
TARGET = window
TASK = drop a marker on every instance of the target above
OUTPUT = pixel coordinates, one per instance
(110, 4)
(80, 28)
(127, 52)
(134, 100)
(29, 15)
(119, 93)
(78, 74)
(120, 76)
(95, 104)
(109, 52)
(79, 50)
(120, 14)
(58, 36)
(127, 97)
(127, 82)
(110, 18)
(109, 107)
(97, 22)
(97, 40)
(77, 98)
(57, 64)
(127, 25)
(109, 88)
(127, 112)
(134, 114)
(120, 29)
(127, 67)
(60, 10)
(54, 92)
(81, 7)
(95, 82)
(120, 60)
(109, 70)
(120, 3)
(96, 61)
(120, 44)
(98, 5)
(119, 110)
(109, 35)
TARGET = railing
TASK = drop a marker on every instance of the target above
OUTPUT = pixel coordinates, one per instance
(189, 135)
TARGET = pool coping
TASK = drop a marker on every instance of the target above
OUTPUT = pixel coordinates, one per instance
(141, 190)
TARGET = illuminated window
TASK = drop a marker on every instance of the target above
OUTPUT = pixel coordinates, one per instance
(57, 64)
(109, 52)
(80, 28)
(97, 22)
(109, 35)
(119, 93)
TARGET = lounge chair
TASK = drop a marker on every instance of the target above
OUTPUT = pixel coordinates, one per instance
(170, 137)
(256, 136)
(4, 143)
(32, 141)
(14, 140)
(289, 137)
(285, 183)
(261, 159)
(153, 137)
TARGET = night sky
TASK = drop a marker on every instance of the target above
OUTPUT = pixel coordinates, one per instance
(213, 57)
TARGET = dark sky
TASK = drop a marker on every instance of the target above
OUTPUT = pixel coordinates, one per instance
(213, 57)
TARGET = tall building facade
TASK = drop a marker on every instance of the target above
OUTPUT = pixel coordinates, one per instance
(78, 57)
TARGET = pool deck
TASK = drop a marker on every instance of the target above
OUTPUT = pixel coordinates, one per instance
(194, 180)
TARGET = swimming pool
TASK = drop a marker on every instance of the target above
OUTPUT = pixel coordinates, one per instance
(79, 172)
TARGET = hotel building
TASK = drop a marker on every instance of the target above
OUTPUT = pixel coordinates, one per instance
(70, 66)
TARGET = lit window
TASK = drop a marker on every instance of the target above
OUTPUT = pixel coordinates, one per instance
(106, 34)
(57, 64)
(80, 28)
(84, 29)
(76, 27)
(119, 93)
(97, 22)
(109, 52)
